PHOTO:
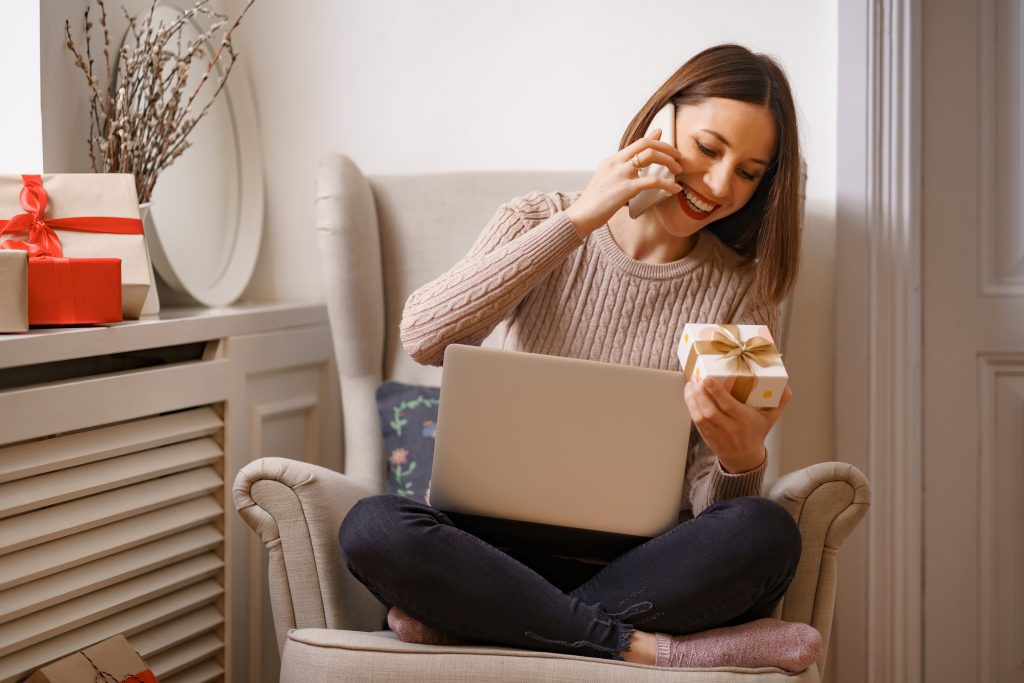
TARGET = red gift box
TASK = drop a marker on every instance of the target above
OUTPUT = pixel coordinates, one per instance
(63, 291)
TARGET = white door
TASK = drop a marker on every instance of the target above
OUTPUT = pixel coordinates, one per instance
(973, 318)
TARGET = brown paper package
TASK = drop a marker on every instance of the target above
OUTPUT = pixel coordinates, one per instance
(111, 195)
(115, 656)
(13, 290)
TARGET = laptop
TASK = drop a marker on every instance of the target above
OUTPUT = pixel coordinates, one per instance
(575, 457)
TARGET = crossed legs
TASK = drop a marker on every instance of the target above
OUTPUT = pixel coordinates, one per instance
(729, 565)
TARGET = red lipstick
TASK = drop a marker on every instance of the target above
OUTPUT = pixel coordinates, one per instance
(688, 208)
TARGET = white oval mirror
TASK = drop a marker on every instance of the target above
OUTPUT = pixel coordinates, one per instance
(207, 207)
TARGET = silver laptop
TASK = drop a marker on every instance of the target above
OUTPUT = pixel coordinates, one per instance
(575, 456)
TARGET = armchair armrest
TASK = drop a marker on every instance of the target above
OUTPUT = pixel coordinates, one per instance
(296, 509)
(827, 500)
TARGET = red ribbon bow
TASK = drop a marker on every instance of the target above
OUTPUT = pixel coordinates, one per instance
(42, 240)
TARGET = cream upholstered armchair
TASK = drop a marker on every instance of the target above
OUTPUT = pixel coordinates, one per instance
(379, 239)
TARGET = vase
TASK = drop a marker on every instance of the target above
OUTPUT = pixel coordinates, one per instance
(152, 304)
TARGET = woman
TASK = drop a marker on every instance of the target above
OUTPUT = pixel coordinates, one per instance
(576, 276)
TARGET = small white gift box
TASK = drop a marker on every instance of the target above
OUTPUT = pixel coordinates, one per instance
(743, 358)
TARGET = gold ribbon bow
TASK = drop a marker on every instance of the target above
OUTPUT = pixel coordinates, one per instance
(725, 342)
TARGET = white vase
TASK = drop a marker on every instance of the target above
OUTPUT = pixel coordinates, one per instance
(152, 304)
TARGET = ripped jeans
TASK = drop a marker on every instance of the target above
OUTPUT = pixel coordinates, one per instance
(728, 566)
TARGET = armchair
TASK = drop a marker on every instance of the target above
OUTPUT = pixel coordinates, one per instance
(379, 238)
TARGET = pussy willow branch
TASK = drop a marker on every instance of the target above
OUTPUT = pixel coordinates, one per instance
(141, 124)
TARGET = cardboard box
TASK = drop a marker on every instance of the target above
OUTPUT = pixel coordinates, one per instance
(13, 290)
(113, 659)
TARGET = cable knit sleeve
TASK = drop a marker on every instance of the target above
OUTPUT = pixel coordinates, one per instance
(709, 483)
(523, 243)
(706, 481)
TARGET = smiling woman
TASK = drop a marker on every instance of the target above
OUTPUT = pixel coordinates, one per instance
(730, 172)
(735, 115)
(574, 274)
(717, 177)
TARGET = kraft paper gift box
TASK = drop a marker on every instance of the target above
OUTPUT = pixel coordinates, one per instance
(92, 215)
(743, 358)
(13, 290)
(113, 659)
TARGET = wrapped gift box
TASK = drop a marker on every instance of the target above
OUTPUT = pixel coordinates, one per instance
(113, 659)
(13, 290)
(94, 215)
(75, 291)
(743, 358)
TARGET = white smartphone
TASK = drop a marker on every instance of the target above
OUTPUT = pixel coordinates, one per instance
(666, 120)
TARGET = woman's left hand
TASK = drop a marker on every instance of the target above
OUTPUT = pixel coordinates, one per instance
(734, 431)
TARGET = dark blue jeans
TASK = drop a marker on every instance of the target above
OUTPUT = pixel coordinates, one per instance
(728, 566)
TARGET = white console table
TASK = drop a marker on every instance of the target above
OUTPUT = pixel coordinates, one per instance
(118, 449)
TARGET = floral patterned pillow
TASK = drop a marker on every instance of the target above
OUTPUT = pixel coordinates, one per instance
(408, 420)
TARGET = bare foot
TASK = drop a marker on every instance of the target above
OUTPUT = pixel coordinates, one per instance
(642, 648)
(409, 629)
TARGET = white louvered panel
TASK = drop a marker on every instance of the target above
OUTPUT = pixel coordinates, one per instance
(185, 656)
(115, 529)
(207, 671)
(107, 571)
(49, 558)
(175, 632)
(39, 526)
(24, 495)
(136, 619)
(89, 546)
(153, 391)
(52, 621)
(69, 450)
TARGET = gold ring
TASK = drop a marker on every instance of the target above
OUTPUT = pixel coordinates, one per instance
(636, 164)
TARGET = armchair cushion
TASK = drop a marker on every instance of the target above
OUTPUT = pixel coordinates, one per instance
(408, 419)
(322, 654)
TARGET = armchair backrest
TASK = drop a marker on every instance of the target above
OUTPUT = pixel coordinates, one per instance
(379, 239)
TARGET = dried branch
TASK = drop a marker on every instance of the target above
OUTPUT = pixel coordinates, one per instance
(141, 124)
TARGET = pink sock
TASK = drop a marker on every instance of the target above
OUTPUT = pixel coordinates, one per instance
(412, 630)
(764, 642)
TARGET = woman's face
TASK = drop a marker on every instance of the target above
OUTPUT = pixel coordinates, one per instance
(726, 146)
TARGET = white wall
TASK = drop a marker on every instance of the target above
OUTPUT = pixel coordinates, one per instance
(21, 134)
(65, 95)
(403, 86)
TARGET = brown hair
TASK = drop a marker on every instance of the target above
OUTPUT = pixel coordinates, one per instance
(767, 229)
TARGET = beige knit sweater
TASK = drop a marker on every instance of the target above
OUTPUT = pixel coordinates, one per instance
(578, 298)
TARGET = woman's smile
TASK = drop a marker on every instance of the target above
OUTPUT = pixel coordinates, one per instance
(695, 205)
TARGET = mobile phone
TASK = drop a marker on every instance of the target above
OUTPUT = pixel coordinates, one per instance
(666, 120)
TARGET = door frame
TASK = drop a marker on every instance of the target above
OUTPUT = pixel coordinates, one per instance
(878, 337)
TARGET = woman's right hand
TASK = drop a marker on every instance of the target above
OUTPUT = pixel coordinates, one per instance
(615, 182)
